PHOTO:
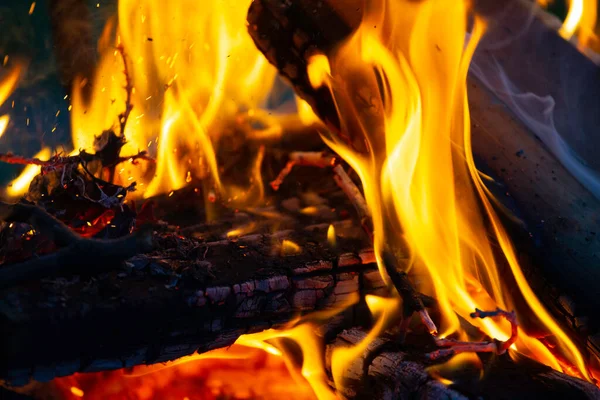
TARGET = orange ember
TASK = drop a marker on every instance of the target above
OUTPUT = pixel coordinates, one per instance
(237, 372)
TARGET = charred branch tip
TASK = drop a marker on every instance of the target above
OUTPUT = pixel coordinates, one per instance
(453, 347)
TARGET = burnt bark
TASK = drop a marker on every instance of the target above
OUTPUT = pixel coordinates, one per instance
(401, 374)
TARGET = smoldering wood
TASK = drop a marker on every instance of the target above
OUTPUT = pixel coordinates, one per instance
(193, 293)
(402, 374)
(560, 215)
(68, 259)
(197, 290)
(226, 289)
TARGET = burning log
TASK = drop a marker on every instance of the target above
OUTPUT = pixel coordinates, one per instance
(183, 306)
(289, 34)
(401, 374)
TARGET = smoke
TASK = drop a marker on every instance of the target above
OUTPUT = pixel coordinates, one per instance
(516, 82)
(537, 113)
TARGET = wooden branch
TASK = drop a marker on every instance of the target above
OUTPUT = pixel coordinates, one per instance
(313, 159)
(94, 254)
(55, 230)
(452, 347)
(148, 320)
(560, 215)
(124, 116)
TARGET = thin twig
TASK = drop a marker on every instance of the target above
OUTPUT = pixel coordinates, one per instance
(57, 162)
(452, 347)
(124, 116)
(306, 158)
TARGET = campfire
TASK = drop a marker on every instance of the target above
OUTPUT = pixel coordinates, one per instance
(309, 199)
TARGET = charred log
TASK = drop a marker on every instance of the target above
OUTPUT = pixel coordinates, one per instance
(402, 374)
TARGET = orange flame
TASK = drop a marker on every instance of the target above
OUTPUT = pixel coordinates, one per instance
(20, 185)
(400, 85)
(8, 84)
(189, 78)
(234, 372)
(580, 20)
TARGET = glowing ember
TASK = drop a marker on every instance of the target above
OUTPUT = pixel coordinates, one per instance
(580, 21)
(238, 372)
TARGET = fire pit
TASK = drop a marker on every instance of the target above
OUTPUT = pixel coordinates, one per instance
(308, 199)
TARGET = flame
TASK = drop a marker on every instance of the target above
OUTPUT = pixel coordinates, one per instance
(383, 310)
(234, 372)
(400, 87)
(331, 238)
(9, 82)
(7, 85)
(580, 20)
(20, 185)
(289, 248)
(187, 79)
(4, 120)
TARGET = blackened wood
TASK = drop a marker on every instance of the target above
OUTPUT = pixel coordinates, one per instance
(192, 293)
(401, 374)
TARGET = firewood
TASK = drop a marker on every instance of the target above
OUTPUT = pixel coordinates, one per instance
(401, 374)
(561, 215)
(143, 318)
(77, 253)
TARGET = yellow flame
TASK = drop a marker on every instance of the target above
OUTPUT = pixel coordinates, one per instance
(580, 20)
(445, 372)
(75, 390)
(19, 186)
(313, 365)
(190, 77)
(318, 70)
(242, 230)
(400, 87)
(4, 120)
(383, 310)
(289, 248)
(9, 82)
